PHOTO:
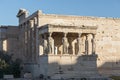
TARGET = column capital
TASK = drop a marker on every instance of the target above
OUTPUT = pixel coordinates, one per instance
(79, 34)
(30, 23)
(50, 34)
(65, 34)
(93, 34)
(44, 35)
(87, 37)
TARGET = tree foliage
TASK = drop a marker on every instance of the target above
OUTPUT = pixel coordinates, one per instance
(8, 66)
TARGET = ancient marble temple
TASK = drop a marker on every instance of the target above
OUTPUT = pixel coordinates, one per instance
(62, 46)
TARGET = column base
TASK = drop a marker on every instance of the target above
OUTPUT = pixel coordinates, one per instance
(66, 54)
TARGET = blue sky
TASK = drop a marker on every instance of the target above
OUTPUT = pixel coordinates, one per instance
(100, 8)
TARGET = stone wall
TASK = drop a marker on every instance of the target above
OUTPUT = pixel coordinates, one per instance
(10, 40)
(107, 37)
(65, 66)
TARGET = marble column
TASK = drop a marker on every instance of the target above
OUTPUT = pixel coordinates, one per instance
(79, 43)
(32, 22)
(93, 44)
(30, 38)
(35, 39)
(86, 45)
(25, 41)
(50, 44)
(65, 44)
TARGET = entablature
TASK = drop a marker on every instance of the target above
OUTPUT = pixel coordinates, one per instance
(67, 29)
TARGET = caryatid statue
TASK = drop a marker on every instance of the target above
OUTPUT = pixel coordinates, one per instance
(45, 47)
(50, 44)
(65, 44)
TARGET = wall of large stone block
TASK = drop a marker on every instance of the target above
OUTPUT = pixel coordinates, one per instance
(13, 41)
(64, 66)
(107, 36)
(10, 41)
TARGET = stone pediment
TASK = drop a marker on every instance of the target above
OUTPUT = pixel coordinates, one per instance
(21, 12)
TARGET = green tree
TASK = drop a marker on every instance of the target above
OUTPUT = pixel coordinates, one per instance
(8, 66)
